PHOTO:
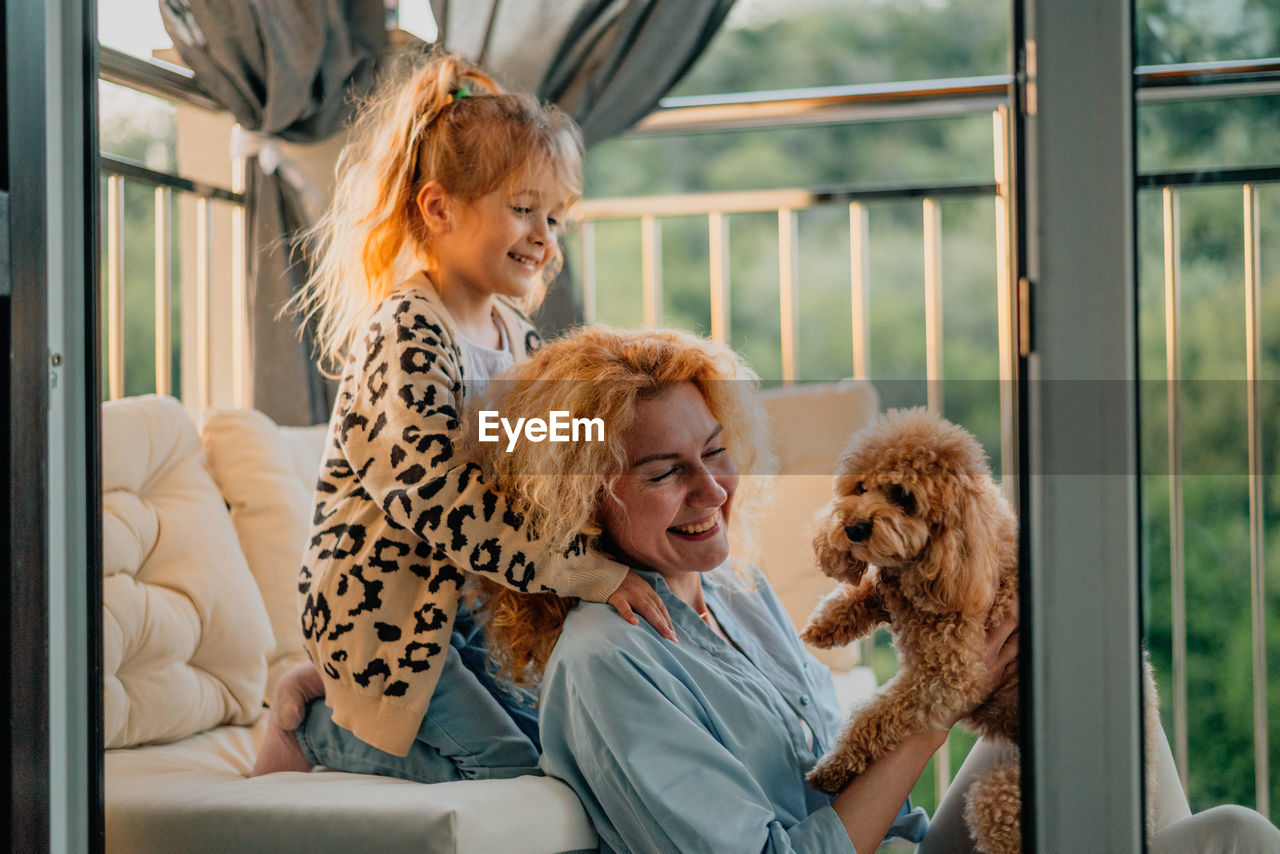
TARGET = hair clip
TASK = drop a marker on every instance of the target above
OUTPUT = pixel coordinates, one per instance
(460, 93)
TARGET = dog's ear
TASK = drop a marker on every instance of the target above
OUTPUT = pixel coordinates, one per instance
(834, 562)
(960, 568)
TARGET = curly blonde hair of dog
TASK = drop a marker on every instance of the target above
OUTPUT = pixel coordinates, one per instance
(600, 372)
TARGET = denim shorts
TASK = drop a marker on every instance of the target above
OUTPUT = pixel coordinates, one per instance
(473, 729)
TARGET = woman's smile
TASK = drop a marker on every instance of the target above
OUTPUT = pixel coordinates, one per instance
(698, 530)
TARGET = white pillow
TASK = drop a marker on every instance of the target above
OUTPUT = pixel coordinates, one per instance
(185, 634)
(810, 425)
(267, 474)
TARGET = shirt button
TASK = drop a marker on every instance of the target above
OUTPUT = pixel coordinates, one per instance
(804, 701)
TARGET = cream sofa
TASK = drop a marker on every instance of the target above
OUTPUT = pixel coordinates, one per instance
(203, 534)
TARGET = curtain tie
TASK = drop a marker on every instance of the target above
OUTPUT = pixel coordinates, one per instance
(271, 160)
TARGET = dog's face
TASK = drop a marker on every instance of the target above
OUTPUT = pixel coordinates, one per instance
(879, 517)
(914, 494)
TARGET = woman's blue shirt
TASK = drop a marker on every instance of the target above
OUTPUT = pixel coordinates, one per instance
(696, 746)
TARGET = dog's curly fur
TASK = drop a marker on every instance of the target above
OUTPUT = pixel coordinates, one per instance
(924, 541)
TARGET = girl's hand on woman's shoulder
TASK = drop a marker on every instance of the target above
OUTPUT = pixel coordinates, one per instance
(635, 596)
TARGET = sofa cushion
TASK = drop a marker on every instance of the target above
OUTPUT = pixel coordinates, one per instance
(185, 634)
(267, 474)
(810, 426)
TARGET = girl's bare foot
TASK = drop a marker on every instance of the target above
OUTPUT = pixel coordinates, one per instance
(294, 691)
(280, 752)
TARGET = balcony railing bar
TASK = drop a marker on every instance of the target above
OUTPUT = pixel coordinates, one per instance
(718, 239)
(242, 367)
(859, 286)
(1250, 88)
(1210, 177)
(1237, 78)
(1257, 523)
(154, 77)
(651, 269)
(204, 303)
(587, 236)
(133, 171)
(828, 105)
(788, 290)
(164, 344)
(1177, 537)
(115, 287)
(949, 97)
(930, 90)
(1206, 73)
(1006, 308)
(760, 201)
(933, 303)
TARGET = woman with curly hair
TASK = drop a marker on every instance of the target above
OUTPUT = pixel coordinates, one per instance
(701, 745)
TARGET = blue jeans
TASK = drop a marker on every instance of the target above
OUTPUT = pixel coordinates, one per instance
(473, 729)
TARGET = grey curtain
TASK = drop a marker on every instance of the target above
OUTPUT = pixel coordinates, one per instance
(618, 59)
(604, 62)
(284, 68)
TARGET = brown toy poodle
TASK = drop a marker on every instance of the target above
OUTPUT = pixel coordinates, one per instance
(924, 541)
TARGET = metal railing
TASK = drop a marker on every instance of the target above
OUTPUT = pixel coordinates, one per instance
(1244, 78)
(175, 85)
(785, 204)
(1170, 185)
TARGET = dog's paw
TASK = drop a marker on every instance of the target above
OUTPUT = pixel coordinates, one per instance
(816, 635)
(829, 777)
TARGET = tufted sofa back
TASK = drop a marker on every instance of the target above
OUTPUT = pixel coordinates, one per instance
(185, 633)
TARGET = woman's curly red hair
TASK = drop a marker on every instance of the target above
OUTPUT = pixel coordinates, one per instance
(600, 372)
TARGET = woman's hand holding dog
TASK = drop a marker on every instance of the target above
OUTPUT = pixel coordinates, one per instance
(1000, 659)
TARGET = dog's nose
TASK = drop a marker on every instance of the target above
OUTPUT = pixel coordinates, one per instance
(857, 533)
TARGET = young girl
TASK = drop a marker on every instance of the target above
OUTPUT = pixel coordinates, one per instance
(445, 219)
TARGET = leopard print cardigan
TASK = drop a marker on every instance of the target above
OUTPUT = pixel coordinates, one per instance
(398, 513)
